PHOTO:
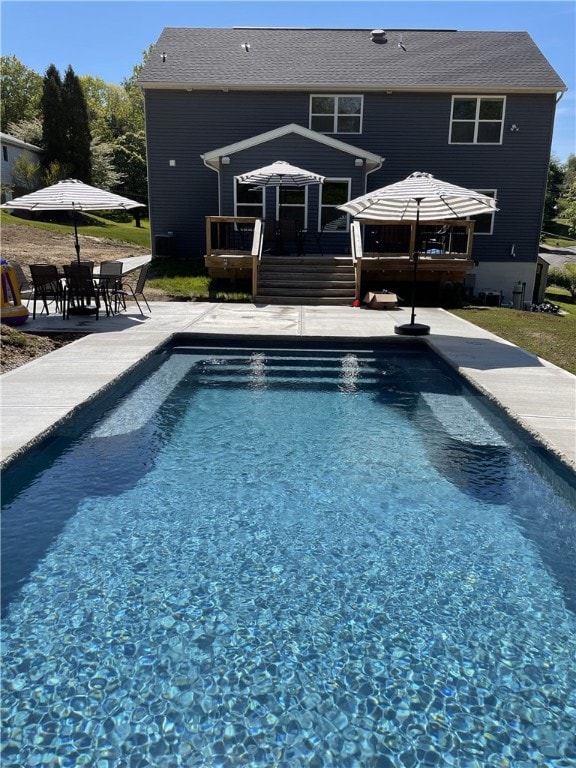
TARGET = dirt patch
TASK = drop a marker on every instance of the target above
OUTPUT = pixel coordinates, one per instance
(28, 245)
(19, 348)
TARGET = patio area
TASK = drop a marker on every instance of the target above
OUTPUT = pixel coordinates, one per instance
(35, 397)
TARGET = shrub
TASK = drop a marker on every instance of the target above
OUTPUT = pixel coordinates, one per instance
(563, 277)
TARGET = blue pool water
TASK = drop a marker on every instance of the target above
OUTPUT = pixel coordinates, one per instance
(290, 558)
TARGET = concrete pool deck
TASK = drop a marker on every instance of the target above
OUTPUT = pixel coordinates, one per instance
(35, 397)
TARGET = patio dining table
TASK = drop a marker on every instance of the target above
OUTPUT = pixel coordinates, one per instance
(131, 264)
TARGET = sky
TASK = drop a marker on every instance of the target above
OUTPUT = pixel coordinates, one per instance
(107, 38)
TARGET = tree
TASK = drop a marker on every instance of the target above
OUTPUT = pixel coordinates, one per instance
(104, 173)
(28, 130)
(25, 174)
(53, 120)
(130, 160)
(570, 175)
(135, 95)
(109, 108)
(76, 154)
(556, 172)
(21, 92)
(569, 208)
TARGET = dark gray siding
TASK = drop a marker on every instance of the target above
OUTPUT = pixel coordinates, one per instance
(409, 130)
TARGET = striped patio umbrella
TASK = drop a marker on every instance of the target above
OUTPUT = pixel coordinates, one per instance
(280, 174)
(71, 195)
(419, 197)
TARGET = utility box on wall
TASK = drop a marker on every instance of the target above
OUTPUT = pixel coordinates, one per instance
(164, 245)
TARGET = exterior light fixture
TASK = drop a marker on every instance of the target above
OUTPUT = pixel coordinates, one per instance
(226, 160)
(358, 162)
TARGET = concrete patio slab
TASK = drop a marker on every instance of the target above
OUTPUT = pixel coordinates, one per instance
(538, 395)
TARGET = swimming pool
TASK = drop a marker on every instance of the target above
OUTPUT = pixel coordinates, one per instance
(293, 557)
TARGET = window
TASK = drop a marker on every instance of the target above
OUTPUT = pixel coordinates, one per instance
(484, 223)
(336, 114)
(477, 119)
(334, 192)
(249, 201)
(5, 153)
(292, 205)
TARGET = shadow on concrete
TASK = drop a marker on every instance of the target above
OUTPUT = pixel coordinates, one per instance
(482, 354)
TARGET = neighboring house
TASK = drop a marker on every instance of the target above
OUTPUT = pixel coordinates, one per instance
(12, 149)
(364, 108)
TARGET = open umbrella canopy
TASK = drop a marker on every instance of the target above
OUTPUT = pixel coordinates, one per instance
(280, 174)
(71, 195)
(419, 197)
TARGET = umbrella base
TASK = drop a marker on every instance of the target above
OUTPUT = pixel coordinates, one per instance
(412, 329)
(82, 311)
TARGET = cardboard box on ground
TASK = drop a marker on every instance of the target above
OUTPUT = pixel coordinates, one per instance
(383, 300)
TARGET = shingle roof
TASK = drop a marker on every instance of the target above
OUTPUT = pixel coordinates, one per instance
(324, 59)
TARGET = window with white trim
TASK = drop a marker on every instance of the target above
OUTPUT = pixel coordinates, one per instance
(477, 119)
(291, 204)
(334, 192)
(249, 200)
(484, 223)
(336, 114)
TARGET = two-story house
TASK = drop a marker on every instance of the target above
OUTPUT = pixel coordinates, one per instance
(363, 108)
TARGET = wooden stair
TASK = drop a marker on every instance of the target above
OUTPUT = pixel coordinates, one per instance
(306, 280)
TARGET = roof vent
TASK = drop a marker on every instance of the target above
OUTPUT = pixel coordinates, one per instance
(378, 36)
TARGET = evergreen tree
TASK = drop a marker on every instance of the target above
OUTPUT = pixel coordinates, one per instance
(76, 155)
(53, 124)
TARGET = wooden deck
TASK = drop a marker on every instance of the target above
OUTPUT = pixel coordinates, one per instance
(233, 252)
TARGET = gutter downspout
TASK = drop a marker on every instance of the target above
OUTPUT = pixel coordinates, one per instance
(218, 171)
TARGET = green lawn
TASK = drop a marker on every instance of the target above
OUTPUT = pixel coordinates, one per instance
(188, 280)
(552, 337)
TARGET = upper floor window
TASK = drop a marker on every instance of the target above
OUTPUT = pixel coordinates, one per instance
(5, 153)
(477, 119)
(484, 222)
(336, 114)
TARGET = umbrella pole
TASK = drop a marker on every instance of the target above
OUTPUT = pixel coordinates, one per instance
(412, 328)
(76, 241)
(415, 256)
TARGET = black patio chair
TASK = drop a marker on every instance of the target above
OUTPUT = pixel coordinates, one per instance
(110, 283)
(82, 295)
(129, 290)
(47, 287)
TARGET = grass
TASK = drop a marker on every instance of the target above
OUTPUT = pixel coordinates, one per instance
(548, 336)
(91, 225)
(188, 281)
(558, 235)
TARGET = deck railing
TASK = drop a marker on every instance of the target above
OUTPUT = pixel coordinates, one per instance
(229, 234)
(443, 239)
